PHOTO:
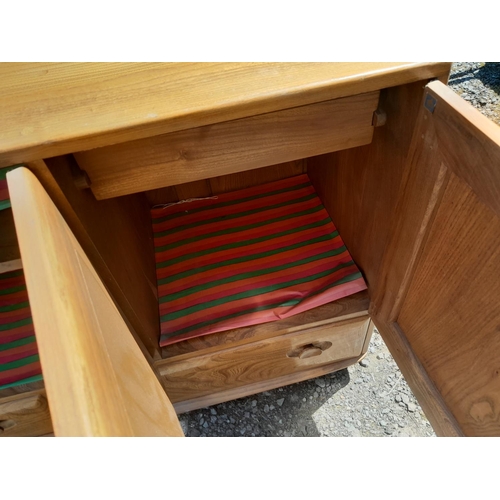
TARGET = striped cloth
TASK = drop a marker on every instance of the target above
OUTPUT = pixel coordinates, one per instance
(247, 257)
(19, 360)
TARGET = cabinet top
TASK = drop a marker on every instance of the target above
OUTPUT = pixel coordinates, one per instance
(48, 109)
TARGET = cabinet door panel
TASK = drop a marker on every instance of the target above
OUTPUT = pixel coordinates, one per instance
(440, 308)
(97, 380)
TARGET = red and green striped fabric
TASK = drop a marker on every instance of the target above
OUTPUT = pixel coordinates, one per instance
(19, 360)
(247, 257)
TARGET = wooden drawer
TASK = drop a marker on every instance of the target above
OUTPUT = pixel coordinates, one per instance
(229, 147)
(215, 375)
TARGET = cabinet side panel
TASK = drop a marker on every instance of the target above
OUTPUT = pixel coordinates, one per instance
(359, 187)
(117, 236)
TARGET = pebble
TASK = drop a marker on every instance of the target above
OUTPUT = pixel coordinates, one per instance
(398, 398)
(412, 407)
(364, 363)
(320, 382)
(280, 402)
(213, 411)
(405, 399)
(266, 408)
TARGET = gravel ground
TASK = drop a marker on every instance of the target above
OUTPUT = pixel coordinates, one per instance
(370, 398)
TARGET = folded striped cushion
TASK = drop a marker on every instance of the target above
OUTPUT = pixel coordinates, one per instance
(19, 360)
(247, 257)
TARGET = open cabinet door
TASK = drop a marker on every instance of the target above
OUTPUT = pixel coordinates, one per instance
(439, 308)
(97, 380)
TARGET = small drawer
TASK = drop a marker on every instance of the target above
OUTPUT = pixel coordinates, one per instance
(208, 377)
(229, 147)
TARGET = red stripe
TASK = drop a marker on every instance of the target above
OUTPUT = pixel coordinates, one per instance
(233, 195)
(207, 215)
(258, 232)
(247, 220)
(18, 374)
(23, 351)
(283, 295)
(276, 260)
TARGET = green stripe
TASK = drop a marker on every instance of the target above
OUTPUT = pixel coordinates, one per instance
(14, 307)
(245, 258)
(250, 293)
(289, 303)
(7, 291)
(16, 324)
(223, 218)
(4, 204)
(20, 362)
(250, 274)
(11, 274)
(28, 380)
(17, 343)
(238, 244)
(230, 203)
(238, 229)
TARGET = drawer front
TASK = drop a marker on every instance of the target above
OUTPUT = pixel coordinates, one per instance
(229, 147)
(196, 375)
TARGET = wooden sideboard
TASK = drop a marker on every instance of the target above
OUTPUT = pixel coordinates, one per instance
(408, 171)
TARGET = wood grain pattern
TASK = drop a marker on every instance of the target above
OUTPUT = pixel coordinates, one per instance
(348, 307)
(117, 237)
(262, 385)
(439, 312)
(98, 382)
(50, 109)
(229, 147)
(25, 415)
(475, 158)
(359, 187)
(451, 313)
(219, 368)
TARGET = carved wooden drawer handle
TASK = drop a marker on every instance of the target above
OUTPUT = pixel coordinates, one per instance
(309, 350)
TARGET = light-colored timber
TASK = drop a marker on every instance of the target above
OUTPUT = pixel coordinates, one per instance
(250, 363)
(417, 206)
(61, 108)
(229, 147)
(25, 415)
(97, 380)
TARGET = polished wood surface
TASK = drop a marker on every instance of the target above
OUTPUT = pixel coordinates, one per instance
(230, 147)
(441, 273)
(97, 380)
(25, 415)
(247, 363)
(60, 108)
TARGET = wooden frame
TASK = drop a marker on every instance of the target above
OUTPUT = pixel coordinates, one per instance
(432, 163)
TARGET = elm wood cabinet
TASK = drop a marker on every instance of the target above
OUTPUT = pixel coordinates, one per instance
(415, 201)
